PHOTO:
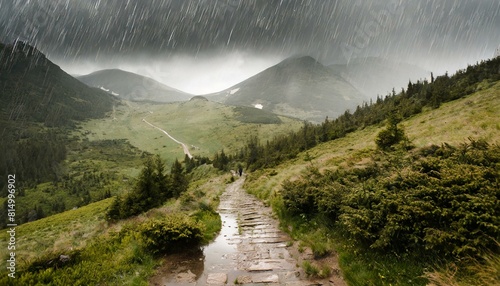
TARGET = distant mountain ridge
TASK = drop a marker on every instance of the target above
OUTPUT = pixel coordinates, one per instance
(34, 89)
(134, 87)
(300, 87)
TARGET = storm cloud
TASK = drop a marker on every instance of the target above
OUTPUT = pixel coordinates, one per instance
(443, 35)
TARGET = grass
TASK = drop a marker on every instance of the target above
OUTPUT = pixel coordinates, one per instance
(206, 127)
(62, 232)
(473, 116)
(485, 272)
(114, 251)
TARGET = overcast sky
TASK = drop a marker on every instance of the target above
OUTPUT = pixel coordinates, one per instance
(207, 45)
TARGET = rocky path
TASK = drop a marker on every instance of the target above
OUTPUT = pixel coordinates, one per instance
(262, 255)
(250, 250)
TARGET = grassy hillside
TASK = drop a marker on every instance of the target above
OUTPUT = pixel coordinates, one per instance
(205, 126)
(115, 252)
(92, 171)
(474, 116)
(39, 104)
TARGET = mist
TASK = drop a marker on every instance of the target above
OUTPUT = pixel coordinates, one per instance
(197, 75)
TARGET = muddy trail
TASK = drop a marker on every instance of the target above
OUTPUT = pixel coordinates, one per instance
(250, 250)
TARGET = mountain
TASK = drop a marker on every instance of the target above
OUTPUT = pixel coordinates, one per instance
(134, 87)
(33, 89)
(39, 105)
(376, 76)
(299, 87)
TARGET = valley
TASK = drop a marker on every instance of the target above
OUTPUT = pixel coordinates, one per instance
(206, 127)
(184, 146)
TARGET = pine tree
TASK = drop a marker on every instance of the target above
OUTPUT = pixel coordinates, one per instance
(161, 181)
(392, 135)
(178, 180)
(190, 163)
(114, 210)
(146, 192)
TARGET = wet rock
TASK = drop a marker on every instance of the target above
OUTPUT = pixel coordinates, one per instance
(216, 279)
(266, 278)
(265, 265)
(244, 279)
(292, 274)
(185, 277)
(302, 283)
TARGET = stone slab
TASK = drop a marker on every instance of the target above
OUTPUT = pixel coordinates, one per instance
(266, 278)
(216, 279)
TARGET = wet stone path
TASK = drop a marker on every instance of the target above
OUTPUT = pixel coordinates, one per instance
(250, 249)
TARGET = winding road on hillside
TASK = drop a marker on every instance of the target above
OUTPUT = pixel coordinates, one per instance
(250, 250)
(184, 146)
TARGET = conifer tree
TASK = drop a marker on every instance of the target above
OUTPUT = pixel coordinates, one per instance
(161, 180)
(178, 180)
(147, 191)
(392, 135)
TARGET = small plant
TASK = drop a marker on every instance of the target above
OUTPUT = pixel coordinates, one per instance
(325, 271)
(309, 269)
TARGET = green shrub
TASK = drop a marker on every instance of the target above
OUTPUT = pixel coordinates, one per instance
(445, 199)
(172, 233)
(299, 197)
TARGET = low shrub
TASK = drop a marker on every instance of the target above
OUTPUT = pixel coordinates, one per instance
(444, 199)
(171, 233)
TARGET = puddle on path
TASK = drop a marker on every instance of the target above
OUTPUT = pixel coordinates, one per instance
(250, 249)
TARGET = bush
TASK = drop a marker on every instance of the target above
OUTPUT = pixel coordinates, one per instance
(299, 197)
(172, 233)
(444, 199)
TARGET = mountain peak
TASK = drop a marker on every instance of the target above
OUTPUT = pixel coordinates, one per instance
(300, 61)
(298, 87)
(21, 51)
